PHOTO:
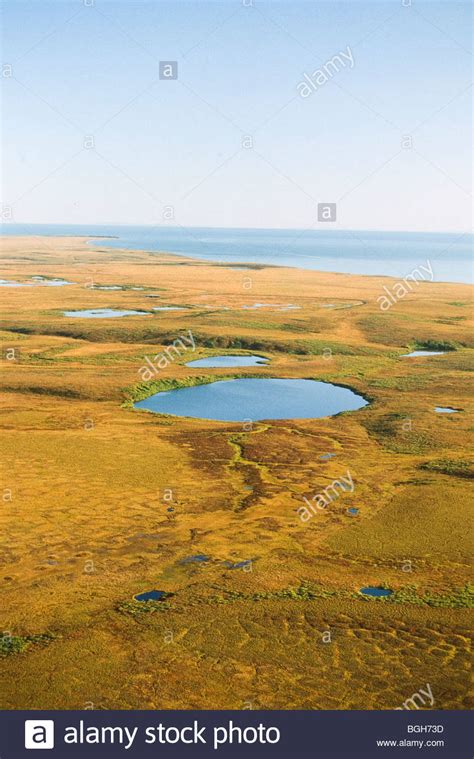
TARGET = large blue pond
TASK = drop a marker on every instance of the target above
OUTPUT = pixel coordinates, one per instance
(245, 399)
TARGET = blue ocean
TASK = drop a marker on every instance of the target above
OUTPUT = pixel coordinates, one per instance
(393, 254)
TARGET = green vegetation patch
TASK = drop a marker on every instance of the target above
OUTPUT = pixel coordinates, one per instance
(304, 592)
(450, 320)
(456, 467)
(16, 644)
(462, 597)
(392, 432)
(458, 598)
(296, 347)
(61, 392)
(321, 347)
(397, 329)
(6, 336)
(435, 345)
(404, 383)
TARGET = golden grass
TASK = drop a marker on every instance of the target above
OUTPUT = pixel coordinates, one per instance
(86, 525)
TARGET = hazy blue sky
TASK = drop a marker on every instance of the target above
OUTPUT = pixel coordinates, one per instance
(79, 70)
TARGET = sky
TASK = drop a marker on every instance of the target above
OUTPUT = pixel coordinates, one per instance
(91, 134)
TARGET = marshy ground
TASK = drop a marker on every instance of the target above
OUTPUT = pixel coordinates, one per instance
(102, 502)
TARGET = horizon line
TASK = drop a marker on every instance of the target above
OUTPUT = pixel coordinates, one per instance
(5, 224)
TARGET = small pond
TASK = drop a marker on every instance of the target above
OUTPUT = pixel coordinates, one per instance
(151, 595)
(106, 287)
(258, 305)
(377, 592)
(446, 410)
(226, 361)
(103, 313)
(169, 308)
(238, 564)
(8, 283)
(352, 511)
(414, 354)
(279, 306)
(37, 281)
(198, 559)
(240, 400)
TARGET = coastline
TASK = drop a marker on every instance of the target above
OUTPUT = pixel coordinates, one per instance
(196, 260)
(375, 254)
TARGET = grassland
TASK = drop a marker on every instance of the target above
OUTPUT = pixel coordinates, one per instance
(88, 484)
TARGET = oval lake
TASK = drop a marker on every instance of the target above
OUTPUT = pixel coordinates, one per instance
(239, 400)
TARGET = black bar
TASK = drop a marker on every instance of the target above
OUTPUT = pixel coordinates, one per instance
(315, 734)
